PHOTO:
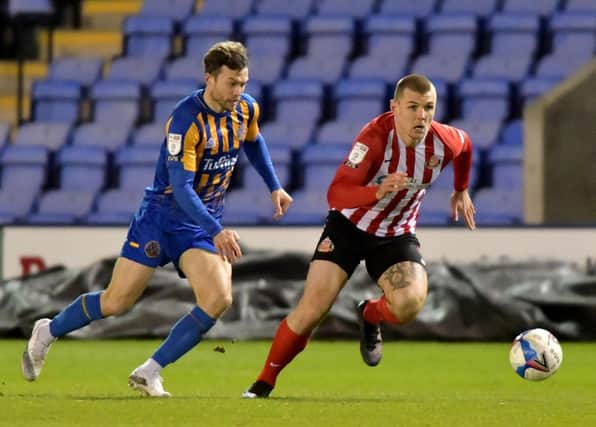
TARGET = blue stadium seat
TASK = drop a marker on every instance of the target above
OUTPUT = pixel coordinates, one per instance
(539, 8)
(236, 9)
(481, 8)
(352, 8)
(296, 9)
(23, 168)
(435, 208)
(30, 7)
(484, 133)
(56, 101)
(116, 102)
(498, 207)
(513, 133)
(14, 205)
(149, 36)
(255, 89)
(185, 68)
(419, 8)
(582, 6)
(319, 162)
(102, 135)
(281, 156)
(535, 87)
(324, 34)
(445, 179)
(385, 34)
(287, 134)
(50, 135)
(82, 168)
(144, 70)
(4, 133)
(268, 39)
(136, 166)
(507, 166)
(514, 40)
(298, 101)
(62, 207)
(151, 134)
(338, 132)
(84, 71)
(310, 207)
(200, 32)
(559, 67)
(178, 10)
(247, 206)
(484, 99)
(115, 207)
(452, 39)
(359, 100)
(165, 95)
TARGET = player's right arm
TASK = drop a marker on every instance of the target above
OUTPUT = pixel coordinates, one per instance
(182, 142)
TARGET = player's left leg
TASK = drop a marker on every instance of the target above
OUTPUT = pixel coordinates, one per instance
(211, 279)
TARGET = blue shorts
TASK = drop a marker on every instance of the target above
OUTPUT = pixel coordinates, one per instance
(160, 233)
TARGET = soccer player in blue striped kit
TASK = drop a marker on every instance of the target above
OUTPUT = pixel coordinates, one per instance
(179, 219)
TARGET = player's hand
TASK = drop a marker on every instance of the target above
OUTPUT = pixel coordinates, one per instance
(281, 202)
(226, 243)
(462, 203)
(392, 183)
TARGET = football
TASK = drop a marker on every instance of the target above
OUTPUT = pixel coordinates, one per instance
(535, 354)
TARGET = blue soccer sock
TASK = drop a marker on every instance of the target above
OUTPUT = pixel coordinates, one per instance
(82, 311)
(185, 334)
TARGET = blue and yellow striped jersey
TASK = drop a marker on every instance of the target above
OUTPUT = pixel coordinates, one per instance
(206, 143)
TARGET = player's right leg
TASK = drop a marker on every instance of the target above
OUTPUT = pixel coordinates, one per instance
(128, 282)
(324, 281)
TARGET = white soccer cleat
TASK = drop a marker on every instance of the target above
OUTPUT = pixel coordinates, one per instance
(36, 351)
(147, 384)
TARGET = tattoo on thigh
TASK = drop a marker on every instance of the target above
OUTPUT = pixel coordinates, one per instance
(400, 275)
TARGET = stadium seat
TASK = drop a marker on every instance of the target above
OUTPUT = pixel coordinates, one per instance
(310, 207)
(201, 31)
(185, 68)
(445, 179)
(281, 156)
(82, 168)
(166, 94)
(4, 134)
(15, 204)
(296, 9)
(116, 207)
(351, 8)
(50, 135)
(247, 206)
(359, 100)
(178, 10)
(507, 166)
(338, 132)
(484, 99)
(435, 208)
(482, 8)
(136, 167)
(582, 6)
(293, 135)
(23, 168)
(151, 135)
(539, 8)
(149, 36)
(56, 101)
(419, 8)
(319, 163)
(143, 70)
(236, 9)
(484, 133)
(535, 87)
(116, 102)
(85, 71)
(103, 135)
(62, 207)
(298, 101)
(498, 207)
(513, 133)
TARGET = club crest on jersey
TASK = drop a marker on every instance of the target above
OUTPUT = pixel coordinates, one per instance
(174, 143)
(152, 249)
(433, 162)
(326, 245)
(210, 143)
(242, 132)
(357, 155)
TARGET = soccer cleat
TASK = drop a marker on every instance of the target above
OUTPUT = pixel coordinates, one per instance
(259, 390)
(35, 351)
(371, 342)
(149, 385)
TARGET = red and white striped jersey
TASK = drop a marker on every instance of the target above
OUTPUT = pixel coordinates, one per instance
(376, 152)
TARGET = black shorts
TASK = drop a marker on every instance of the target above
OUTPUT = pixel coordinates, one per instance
(345, 245)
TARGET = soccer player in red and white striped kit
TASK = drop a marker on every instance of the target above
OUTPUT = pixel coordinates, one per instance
(374, 201)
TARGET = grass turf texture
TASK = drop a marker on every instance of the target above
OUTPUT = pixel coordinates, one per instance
(84, 383)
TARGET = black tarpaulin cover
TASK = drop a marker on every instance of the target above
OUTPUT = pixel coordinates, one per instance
(476, 301)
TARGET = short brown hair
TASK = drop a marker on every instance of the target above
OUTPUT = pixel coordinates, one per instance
(416, 82)
(229, 53)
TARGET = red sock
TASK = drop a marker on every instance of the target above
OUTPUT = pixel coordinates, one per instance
(286, 345)
(377, 311)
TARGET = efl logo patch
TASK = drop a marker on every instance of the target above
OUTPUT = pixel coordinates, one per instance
(357, 155)
(174, 143)
(433, 162)
(326, 245)
(210, 143)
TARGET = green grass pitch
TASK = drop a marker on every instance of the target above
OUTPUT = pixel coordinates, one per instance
(84, 383)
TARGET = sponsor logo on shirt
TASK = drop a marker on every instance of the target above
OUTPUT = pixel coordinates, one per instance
(433, 162)
(225, 162)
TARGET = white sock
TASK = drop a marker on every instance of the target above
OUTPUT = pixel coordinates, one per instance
(45, 336)
(151, 367)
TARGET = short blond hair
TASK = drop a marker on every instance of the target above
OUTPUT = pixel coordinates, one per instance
(416, 82)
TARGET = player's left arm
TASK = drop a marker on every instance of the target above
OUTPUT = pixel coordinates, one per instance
(258, 155)
(461, 202)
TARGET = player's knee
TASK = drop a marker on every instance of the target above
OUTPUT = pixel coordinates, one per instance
(217, 304)
(112, 306)
(407, 306)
